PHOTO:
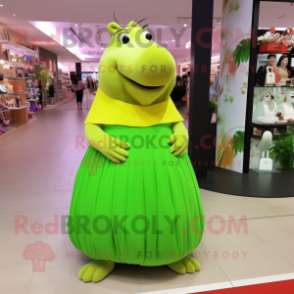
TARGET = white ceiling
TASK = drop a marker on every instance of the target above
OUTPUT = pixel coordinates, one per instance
(90, 13)
(277, 14)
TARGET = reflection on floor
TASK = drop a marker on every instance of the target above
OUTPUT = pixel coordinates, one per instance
(38, 167)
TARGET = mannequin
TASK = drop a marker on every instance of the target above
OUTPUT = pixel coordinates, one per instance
(122, 182)
(266, 110)
(261, 75)
(283, 70)
(288, 106)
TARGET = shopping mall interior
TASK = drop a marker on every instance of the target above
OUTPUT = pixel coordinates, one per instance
(76, 72)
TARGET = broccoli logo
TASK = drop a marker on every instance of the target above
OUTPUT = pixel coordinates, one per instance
(39, 253)
(93, 162)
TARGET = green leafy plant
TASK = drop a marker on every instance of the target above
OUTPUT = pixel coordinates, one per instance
(237, 144)
(242, 52)
(228, 98)
(42, 75)
(212, 105)
(46, 93)
(219, 120)
(232, 7)
(283, 151)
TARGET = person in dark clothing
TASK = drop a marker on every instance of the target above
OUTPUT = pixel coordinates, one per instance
(79, 89)
(262, 71)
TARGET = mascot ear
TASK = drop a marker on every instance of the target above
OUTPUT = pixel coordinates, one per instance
(132, 24)
(113, 27)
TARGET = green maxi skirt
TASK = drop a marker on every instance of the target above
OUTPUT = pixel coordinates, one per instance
(146, 211)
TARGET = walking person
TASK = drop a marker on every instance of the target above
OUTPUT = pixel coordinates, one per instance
(79, 88)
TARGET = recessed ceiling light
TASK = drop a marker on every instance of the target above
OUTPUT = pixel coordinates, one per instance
(173, 40)
(1, 5)
(14, 14)
(185, 24)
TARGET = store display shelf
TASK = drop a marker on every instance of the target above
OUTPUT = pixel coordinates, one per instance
(275, 137)
(16, 63)
(17, 108)
(20, 49)
(16, 78)
(14, 94)
(263, 53)
(13, 108)
(274, 87)
(276, 125)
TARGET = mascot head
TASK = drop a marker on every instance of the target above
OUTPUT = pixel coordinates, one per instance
(134, 69)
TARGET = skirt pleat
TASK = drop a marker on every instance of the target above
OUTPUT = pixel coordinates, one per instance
(147, 211)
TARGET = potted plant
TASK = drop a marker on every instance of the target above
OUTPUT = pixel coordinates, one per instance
(43, 76)
(51, 93)
(283, 152)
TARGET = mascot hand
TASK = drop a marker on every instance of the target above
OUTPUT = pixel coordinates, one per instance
(179, 140)
(111, 147)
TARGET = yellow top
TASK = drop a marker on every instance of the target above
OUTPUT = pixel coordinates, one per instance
(108, 111)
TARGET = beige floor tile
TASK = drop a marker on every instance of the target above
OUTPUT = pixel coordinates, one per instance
(16, 279)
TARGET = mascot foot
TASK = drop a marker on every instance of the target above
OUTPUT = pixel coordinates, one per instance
(186, 265)
(96, 270)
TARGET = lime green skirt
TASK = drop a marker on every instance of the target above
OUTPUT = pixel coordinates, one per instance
(147, 211)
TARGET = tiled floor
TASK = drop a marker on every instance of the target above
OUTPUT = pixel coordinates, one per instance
(37, 169)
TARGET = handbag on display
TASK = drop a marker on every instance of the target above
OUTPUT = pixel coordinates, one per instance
(11, 103)
(9, 88)
(266, 163)
(270, 78)
(15, 89)
(18, 102)
(3, 105)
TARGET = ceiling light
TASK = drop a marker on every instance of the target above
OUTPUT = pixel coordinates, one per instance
(14, 14)
(173, 40)
(188, 45)
(185, 24)
(76, 24)
(1, 5)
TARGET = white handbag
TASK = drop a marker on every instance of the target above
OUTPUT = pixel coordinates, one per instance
(270, 78)
(266, 163)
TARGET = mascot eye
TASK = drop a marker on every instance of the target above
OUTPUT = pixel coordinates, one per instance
(147, 35)
(124, 38)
